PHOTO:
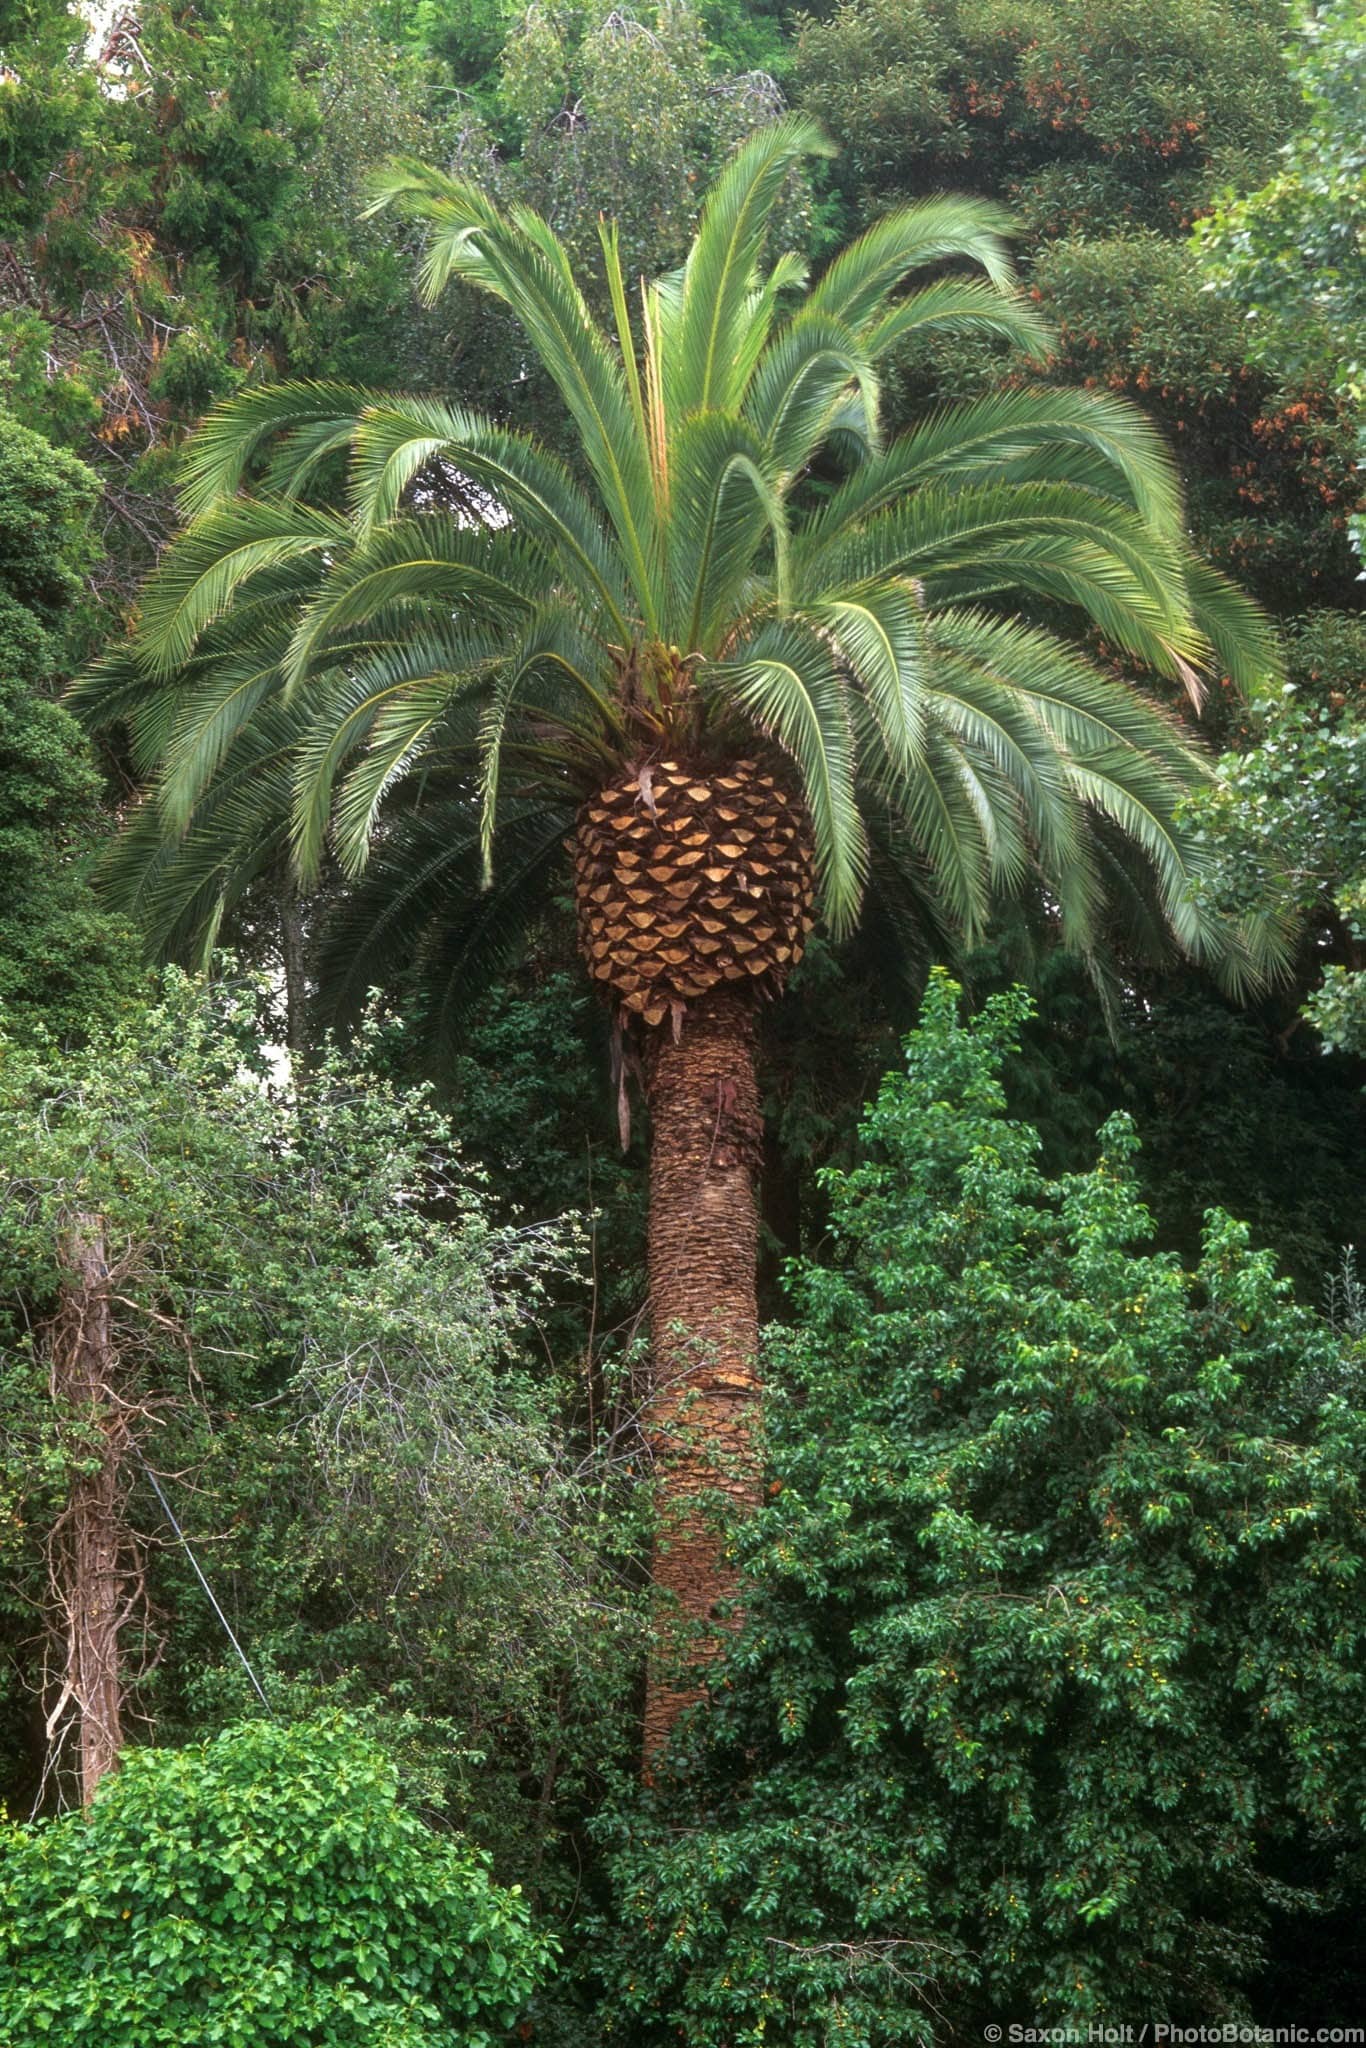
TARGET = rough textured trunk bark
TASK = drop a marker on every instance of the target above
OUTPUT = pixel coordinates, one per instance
(706, 1143)
(90, 1557)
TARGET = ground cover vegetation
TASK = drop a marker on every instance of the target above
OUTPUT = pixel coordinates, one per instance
(954, 548)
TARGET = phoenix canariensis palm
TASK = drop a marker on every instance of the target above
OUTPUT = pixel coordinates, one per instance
(734, 645)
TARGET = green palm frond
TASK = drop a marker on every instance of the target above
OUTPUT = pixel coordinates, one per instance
(1090, 441)
(710, 342)
(1241, 636)
(961, 305)
(392, 696)
(786, 681)
(422, 564)
(811, 367)
(1080, 705)
(396, 440)
(199, 578)
(517, 259)
(856, 287)
(1045, 540)
(723, 503)
(231, 437)
(878, 633)
(205, 722)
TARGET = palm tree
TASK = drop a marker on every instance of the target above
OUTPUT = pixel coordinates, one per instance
(738, 653)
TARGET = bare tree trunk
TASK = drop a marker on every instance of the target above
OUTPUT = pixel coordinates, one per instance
(89, 1567)
(706, 1142)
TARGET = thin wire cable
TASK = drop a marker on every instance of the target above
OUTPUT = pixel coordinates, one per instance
(208, 1589)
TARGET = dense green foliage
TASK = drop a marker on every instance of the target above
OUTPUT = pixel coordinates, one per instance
(1287, 820)
(1293, 253)
(265, 1886)
(326, 1336)
(1053, 1641)
(1048, 1703)
(1094, 114)
(63, 959)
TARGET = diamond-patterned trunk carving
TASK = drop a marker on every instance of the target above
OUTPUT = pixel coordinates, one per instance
(688, 878)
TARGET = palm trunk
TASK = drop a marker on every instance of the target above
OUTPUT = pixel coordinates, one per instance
(703, 1245)
(91, 1575)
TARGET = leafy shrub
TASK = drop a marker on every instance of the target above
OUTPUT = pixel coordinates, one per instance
(1054, 1646)
(1285, 820)
(267, 1889)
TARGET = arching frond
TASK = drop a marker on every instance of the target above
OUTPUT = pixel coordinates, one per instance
(1083, 438)
(518, 259)
(877, 632)
(1042, 540)
(236, 432)
(391, 698)
(207, 720)
(710, 356)
(809, 370)
(207, 568)
(723, 504)
(960, 305)
(395, 441)
(1241, 636)
(858, 283)
(420, 564)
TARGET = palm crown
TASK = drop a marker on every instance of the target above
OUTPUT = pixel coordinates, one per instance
(485, 638)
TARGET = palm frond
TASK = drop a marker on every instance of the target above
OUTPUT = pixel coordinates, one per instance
(856, 285)
(960, 305)
(208, 720)
(202, 574)
(711, 346)
(230, 438)
(423, 564)
(527, 484)
(411, 681)
(809, 370)
(1242, 638)
(877, 633)
(723, 504)
(1090, 440)
(517, 258)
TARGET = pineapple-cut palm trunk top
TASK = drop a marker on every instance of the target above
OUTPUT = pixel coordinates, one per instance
(686, 878)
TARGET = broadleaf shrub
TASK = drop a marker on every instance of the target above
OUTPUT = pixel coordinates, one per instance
(1054, 1658)
(264, 1889)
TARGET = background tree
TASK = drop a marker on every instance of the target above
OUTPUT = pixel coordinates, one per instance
(1287, 828)
(325, 1351)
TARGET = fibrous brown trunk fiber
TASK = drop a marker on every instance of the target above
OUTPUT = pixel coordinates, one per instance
(703, 1245)
(89, 1569)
